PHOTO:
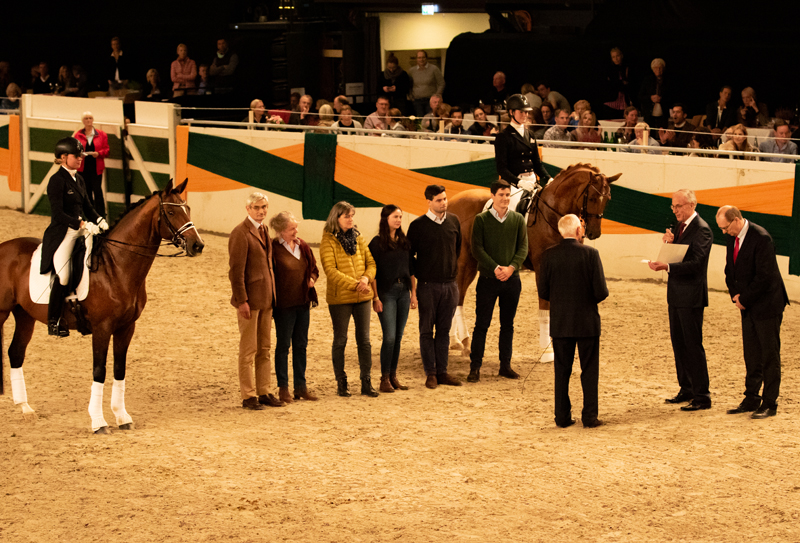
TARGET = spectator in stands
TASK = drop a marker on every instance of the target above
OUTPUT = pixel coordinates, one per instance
(11, 101)
(294, 101)
(481, 126)
(548, 113)
(617, 86)
(430, 122)
(325, 118)
(558, 132)
(399, 123)
(34, 75)
(304, 116)
(117, 67)
(738, 142)
(496, 96)
(780, 144)
(340, 102)
(321, 102)
(642, 131)
(379, 119)
(577, 113)
(670, 138)
(536, 123)
(203, 81)
(43, 84)
(654, 95)
(395, 84)
(95, 151)
(555, 99)
(346, 123)
(183, 73)
(426, 80)
(259, 112)
(703, 140)
(752, 113)
(151, 90)
(529, 92)
(65, 84)
(719, 114)
(223, 68)
(81, 81)
(626, 133)
(587, 131)
(5, 76)
(456, 125)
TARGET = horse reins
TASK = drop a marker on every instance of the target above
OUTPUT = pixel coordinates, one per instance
(584, 214)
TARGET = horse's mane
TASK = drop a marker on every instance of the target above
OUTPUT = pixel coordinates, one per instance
(567, 174)
(99, 248)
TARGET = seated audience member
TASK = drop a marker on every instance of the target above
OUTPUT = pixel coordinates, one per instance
(223, 68)
(294, 101)
(183, 73)
(529, 92)
(203, 85)
(536, 123)
(379, 119)
(325, 118)
(558, 132)
(738, 142)
(395, 84)
(117, 70)
(481, 126)
(670, 138)
(617, 86)
(321, 102)
(151, 90)
(304, 116)
(702, 140)
(642, 131)
(653, 95)
(456, 124)
(430, 122)
(13, 93)
(346, 123)
(340, 102)
(43, 84)
(719, 113)
(577, 113)
(444, 117)
(587, 131)
(259, 112)
(555, 99)
(81, 81)
(780, 144)
(399, 124)
(548, 113)
(752, 113)
(625, 133)
(65, 85)
(497, 95)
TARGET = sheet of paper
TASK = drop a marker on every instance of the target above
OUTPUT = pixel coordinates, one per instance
(671, 253)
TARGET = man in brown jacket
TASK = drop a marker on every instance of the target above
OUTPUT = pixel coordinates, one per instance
(252, 282)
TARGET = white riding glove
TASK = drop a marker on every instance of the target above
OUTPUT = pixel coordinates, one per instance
(527, 184)
(91, 228)
(102, 224)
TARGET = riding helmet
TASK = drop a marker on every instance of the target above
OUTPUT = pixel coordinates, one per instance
(68, 146)
(518, 101)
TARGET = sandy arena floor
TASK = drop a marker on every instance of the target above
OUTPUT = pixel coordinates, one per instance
(483, 462)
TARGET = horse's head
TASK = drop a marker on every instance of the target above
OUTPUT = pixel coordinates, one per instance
(593, 201)
(176, 221)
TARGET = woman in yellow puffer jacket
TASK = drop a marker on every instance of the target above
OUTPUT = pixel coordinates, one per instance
(350, 269)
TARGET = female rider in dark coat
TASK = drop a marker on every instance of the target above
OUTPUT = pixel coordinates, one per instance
(70, 211)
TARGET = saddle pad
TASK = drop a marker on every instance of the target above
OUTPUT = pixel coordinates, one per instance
(39, 285)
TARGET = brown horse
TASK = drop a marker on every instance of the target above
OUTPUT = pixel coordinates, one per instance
(116, 296)
(579, 189)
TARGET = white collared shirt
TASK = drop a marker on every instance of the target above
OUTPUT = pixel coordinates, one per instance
(432, 216)
(496, 215)
(295, 252)
(743, 232)
(73, 173)
(255, 222)
(519, 128)
(685, 226)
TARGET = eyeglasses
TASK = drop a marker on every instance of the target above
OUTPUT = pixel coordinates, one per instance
(725, 228)
(677, 207)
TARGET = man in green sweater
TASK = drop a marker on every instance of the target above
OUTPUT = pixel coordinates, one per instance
(500, 244)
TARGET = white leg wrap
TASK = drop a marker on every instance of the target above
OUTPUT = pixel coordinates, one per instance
(544, 335)
(458, 331)
(118, 403)
(96, 407)
(18, 386)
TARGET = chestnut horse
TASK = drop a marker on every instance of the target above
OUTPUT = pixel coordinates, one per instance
(116, 296)
(580, 189)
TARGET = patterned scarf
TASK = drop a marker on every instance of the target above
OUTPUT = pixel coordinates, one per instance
(348, 240)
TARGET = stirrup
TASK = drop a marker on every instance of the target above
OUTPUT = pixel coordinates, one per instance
(55, 329)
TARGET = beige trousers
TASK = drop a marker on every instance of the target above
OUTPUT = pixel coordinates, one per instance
(254, 349)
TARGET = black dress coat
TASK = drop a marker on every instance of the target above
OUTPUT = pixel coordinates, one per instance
(571, 278)
(687, 285)
(728, 117)
(402, 84)
(515, 155)
(69, 204)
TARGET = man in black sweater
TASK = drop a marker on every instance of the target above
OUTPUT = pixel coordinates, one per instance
(435, 245)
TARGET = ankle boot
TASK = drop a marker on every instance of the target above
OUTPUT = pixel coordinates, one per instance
(366, 388)
(507, 372)
(304, 394)
(395, 383)
(386, 386)
(55, 327)
(284, 396)
(342, 388)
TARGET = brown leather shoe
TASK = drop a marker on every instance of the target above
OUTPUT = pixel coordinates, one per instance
(395, 383)
(284, 396)
(386, 386)
(270, 400)
(252, 403)
(431, 381)
(447, 379)
(303, 393)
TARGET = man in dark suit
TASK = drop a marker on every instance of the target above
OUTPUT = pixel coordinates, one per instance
(252, 282)
(687, 298)
(571, 278)
(756, 287)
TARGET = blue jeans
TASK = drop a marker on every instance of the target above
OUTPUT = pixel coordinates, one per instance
(394, 316)
(291, 330)
(340, 316)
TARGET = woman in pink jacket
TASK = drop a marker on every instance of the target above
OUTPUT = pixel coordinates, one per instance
(95, 150)
(183, 73)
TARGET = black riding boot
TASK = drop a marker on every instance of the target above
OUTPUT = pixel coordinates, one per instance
(54, 325)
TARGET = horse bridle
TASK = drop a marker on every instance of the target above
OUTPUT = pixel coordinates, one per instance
(178, 240)
(584, 214)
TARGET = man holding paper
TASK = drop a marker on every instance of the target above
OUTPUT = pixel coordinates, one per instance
(687, 298)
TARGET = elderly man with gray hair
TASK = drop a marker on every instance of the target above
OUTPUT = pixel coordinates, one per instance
(571, 278)
(654, 96)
